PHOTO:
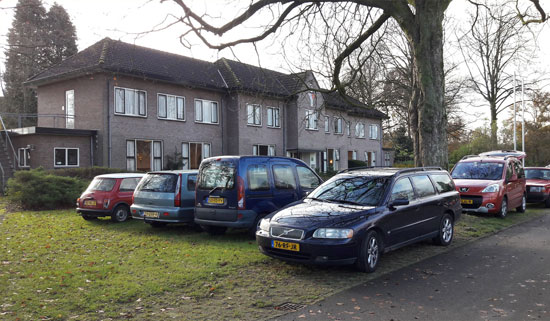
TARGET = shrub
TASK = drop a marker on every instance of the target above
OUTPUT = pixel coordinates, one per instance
(352, 163)
(86, 173)
(40, 189)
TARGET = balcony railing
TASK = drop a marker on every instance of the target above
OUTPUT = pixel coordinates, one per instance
(16, 120)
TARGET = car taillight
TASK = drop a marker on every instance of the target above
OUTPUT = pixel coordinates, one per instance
(177, 197)
(240, 193)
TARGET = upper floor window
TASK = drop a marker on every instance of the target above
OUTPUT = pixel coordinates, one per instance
(131, 102)
(327, 124)
(338, 129)
(254, 115)
(65, 157)
(360, 130)
(311, 119)
(373, 131)
(206, 111)
(273, 117)
(348, 128)
(171, 107)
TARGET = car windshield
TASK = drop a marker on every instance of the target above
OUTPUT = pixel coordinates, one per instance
(162, 183)
(359, 190)
(217, 174)
(478, 170)
(102, 184)
(537, 174)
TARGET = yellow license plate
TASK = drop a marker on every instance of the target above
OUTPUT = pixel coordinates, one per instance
(151, 214)
(285, 246)
(215, 200)
(463, 201)
(89, 203)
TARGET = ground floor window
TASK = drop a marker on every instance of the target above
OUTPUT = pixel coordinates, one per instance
(65, 157)
(194, 153)
(370, 158)
(387, 159)
(24, 157)
(330, 160)
(263, 150)
(143, 155)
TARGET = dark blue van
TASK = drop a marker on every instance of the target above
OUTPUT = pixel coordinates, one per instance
(238, 191)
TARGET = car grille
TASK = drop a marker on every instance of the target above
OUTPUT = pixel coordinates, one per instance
(287, 233)
(477, 201)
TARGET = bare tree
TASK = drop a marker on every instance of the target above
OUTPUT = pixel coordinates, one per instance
(420, 20)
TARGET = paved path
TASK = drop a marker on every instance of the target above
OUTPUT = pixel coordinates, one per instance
(503, 277)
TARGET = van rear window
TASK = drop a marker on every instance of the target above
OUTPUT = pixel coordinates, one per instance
(161, 183)
(217, 174)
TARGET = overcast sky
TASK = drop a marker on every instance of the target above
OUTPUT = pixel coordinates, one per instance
(127, 20)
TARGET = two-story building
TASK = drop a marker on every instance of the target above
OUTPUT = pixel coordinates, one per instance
(124, 106)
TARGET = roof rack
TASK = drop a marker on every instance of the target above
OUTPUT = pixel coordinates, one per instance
(419, 169)
(470, 156)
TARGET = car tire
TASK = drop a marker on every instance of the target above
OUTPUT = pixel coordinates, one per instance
(121, 213)
(214, 230)
(446, 231)
(547, 202)
(523, 206)
(88, 217)
(158, 224)
(370, 252)
(503, 208)
(252, 230)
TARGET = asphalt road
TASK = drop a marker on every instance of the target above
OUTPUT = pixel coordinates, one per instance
(502, 277)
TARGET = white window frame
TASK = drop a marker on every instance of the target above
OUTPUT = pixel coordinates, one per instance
(199, 116)
(69, 109)
(348, 128)
(175, 97)
(311, 120)
(327, 124)
(373, 159)
(373, 131)
(136, 92)
(152, 157)
(274, 113)
(186, 153)
(26, 156)
(360, 130)
(254, 115)
(338, 126)
(387, 159)
(271, 151)
(67, 156)
(354, 155)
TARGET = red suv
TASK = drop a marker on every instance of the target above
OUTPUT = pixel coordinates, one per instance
(490, 184)
(108, 195)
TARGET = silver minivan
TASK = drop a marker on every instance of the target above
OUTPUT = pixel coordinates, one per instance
(165, 197)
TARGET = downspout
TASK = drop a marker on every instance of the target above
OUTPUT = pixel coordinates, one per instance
(92, 150)
(109, 123)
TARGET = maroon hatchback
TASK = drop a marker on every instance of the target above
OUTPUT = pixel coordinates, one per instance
(108, 195)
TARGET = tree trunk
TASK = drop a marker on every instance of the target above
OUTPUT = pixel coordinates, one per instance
(494, 126)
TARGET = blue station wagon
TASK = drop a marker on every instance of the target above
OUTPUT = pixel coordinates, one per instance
(238, 191)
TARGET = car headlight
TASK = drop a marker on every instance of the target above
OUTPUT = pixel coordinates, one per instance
(536, 189)
(264, 224)
(333, 233)
(493, 188)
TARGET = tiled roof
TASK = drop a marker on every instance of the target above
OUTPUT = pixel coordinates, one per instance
(336, 101)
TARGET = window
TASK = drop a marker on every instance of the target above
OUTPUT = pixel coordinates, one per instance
(157, 155)
(24, 157)
(443, 183)
(327, 124)
(171, 107)
(518, 168)
(130, 102)
(101, 184)
(338, 126)
(423, 185)
(194, 153)
(273, 117)
(160, 183)
(360, 130)
(131, 155)
(217, 173)
(348, 128)
(206, 111)
(373, 131)
(144, 155)
(65, 157)
(311, 120)
(129, 184)
(387, 159)
(257, 178)
(191, 182)
(307, 178)
(283, 177)
(69, 109)
(263, 150)
(254, 115)
(402, 190)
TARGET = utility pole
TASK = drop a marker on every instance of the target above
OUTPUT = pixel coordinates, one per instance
(523, 119)
(515, 144)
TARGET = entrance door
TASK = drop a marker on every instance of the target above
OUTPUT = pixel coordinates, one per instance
(143, 149)
(330, 159)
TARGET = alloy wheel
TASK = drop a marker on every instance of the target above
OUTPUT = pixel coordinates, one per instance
(447, 230)
(372, 252)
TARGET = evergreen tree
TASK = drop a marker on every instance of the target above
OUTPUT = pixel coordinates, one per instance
(61, 38)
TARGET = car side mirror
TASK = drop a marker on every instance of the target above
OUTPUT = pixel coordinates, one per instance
(398, 202)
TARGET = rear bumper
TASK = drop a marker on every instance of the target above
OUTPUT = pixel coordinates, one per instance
(225, 217)
(165, 214)
(533, 197)
(93, 212)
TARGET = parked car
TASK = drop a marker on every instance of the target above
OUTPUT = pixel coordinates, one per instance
(538, 185)
(490, 184)
(237, 191)
(358, 215)
(108, 195)
(165, 197)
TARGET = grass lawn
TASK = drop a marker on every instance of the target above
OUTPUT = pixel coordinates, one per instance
(56, 266)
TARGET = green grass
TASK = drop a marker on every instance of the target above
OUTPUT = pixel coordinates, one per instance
(56, 266)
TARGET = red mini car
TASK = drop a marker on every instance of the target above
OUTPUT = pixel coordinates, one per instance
(538, 185)
(108, 195)
(490, 184)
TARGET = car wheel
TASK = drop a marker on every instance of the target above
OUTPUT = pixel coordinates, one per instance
(252, 230)
(446, 231)
(214, 230)
(370, 252)
(523, 206)
(88, 217)
(120, 214)
(547, 202)
(158, 224)
(503, 208)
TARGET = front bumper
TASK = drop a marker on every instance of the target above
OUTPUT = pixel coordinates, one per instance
(93, 212)
(536, 197)
(165, 214)
(481, 203)
(312, 251)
